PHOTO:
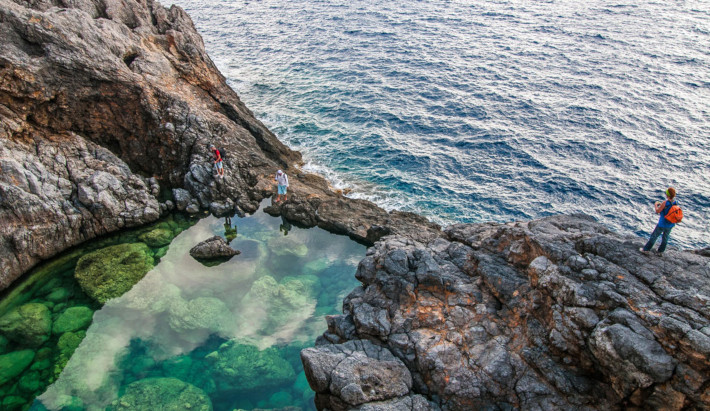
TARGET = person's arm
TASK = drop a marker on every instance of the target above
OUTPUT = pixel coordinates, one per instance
(286, 179)
(660, 205)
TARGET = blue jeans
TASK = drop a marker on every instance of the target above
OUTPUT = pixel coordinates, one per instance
(666, 232)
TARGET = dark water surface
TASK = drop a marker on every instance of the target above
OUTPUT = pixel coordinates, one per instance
(487, 110)
(233, 332)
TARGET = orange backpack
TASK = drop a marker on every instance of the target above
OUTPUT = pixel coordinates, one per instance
(675, 214)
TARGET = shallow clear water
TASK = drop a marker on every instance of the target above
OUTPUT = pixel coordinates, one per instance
(484, 111)
(234, 330)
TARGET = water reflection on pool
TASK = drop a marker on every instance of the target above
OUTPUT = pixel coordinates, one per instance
(226, 337)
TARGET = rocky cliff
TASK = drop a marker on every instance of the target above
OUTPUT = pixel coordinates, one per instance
(107, 110)
(557, 313)
(107, 105)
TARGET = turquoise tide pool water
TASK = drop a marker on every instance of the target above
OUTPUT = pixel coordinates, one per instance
(186, 336)
(492, 110)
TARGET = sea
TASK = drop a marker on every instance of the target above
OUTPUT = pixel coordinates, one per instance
(487, 110)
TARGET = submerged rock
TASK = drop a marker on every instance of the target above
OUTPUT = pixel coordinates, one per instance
(196, 319)
(157, 237)
(284, 245)
(109, 272)
(73, 319)
(29, 324)
(243, 368)
(163, 394)
(214, 248)
(13, 364)
(557, 313)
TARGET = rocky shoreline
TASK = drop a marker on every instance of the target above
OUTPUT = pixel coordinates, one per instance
(106, 107)
(557, 313)
(107, 110)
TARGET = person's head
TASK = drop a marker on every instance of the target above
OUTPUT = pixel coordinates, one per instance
(213, 148)
(278, 173)
(670, 193)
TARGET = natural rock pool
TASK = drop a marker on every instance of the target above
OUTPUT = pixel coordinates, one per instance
(186, 336)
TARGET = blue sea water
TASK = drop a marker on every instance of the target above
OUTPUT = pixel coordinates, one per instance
(490, 110)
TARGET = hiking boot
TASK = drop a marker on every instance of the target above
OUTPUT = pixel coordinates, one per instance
(644, 251)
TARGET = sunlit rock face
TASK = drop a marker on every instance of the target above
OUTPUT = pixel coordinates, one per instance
(557, 313)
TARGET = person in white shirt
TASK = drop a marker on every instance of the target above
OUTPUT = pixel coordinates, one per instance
(282, 183)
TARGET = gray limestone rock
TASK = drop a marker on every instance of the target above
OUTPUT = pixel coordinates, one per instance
(213, 248)
(557, 313)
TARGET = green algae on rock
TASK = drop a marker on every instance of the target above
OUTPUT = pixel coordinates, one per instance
(109, 272)
(158, 237)
(67, 343)
(73, 319)
(242, 367)
(12, 364)
(29, 324)
(163, 394)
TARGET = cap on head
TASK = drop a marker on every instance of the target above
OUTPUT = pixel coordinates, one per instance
(212, 147)
(279, 172)
(670, 193)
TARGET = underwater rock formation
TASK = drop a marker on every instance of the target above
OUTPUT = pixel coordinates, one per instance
(242, 367)
(29, 324)
(557, 313)
(109, 272)
(163, 394)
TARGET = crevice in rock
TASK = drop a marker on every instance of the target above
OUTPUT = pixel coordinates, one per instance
(129, 57)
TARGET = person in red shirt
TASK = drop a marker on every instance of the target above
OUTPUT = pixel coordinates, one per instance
(218, 161)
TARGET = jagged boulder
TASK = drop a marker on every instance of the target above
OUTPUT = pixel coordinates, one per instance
(354, 373)
(110, 272)
(214, 248)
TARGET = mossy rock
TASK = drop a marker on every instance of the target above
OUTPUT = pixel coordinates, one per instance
(110, 272)
(29, 382)
(67, 343)
(73, 319)
(158, 237)
(244, 368)
(13, 402)
(163, 394)
(160, 252)
(283, 246)
(59, 295)
(4, 342)
(14, 363)
(29, 324)
(280, 399)
(59, 307)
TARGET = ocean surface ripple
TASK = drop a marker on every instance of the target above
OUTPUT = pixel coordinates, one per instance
(484, 111)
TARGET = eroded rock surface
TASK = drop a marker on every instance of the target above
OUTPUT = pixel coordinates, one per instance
(557, 313)
(104, 103)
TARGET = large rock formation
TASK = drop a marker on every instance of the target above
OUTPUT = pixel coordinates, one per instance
(103, 102)
(557, 313)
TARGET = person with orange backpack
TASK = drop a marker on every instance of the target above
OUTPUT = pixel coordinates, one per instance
(670, 215)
